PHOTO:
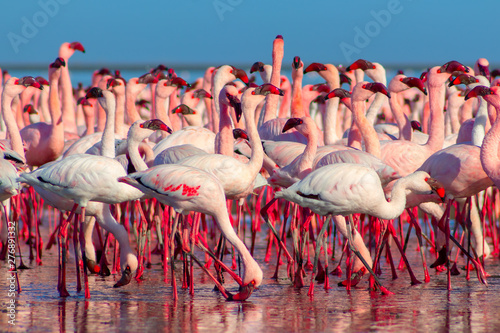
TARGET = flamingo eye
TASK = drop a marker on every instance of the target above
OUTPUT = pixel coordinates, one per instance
(364, 86)
(165, 84)
(253, 92)
(137, 81)
(439, 71)
(426, 178)
(401, 79)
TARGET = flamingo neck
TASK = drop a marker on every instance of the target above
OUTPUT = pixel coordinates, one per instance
(404, 125)
(89, 119)
(436, 127)
(272, 100)
(120, 112)
(68, 108)
(10, 122)
(330, 121)
(374, 109)
(372, 144)
(394, 208)
(133, 142)
(108, 135)
(222, 219)
(55, 108)
(257, 156)
(225, 135)
(130, 109)
(480, 121)
(297, 108)
(489, 151)
(285, 105)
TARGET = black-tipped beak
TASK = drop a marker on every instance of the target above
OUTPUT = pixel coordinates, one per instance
(478, 91)
(291, 123)
(244, 293)
(125, 279)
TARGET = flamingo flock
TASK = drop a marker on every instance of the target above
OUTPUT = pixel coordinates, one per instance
(292, 156)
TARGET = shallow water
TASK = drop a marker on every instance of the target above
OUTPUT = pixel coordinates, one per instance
(276, 306)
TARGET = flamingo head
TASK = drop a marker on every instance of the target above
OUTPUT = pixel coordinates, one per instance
(240, 133)
(415, 125)
(30, 109)
(436, 187)
(201, 93)
(268, 88)
(257, 66)
(453, 66)
(321, 88)
(183, 109)
(296, 64)
(483, 68)
(112, 82)
(377, 87)
(155, 125)
(42, 81)
(84, 102)
(414, 82)
(479, 91)
(240, 74)
(147, 79)
(315, 67)
(94, 92)
(244, 293)
(77, 46)
(360, 64)
(29, 81)
(58, 63)
(462, 79)
(339, 92)
(291, 123)
(345, 79)
(179, 82)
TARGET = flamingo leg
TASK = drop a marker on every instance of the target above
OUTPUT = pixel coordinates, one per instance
(358, 254)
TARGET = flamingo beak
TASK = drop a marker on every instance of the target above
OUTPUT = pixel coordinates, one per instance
(125, 279)
(438, 188)
(360, 64)
(296, 63)
(244, 293)
(291, 123)
(77, 46)
(338, 92)
(478, 91)
(315, 67)
(239, 133)
(415, 82)
(378, 87)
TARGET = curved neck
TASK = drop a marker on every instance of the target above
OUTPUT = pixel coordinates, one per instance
(257, 156)
(394, 208)
(222, 219)
(489, 151)
(134, 154)
(372, 145)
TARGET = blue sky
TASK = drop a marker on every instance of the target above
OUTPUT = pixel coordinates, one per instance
(214, 32)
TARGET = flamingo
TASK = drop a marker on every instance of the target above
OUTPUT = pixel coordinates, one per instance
(237, 177)
(190, 189)
(345, 189)
(45, 141)
(406, 156)
(66, 50)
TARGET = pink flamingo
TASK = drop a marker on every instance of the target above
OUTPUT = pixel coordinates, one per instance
(66, 50)
(406, 156)
(345, 189)
(190, 189)
(44, 141)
